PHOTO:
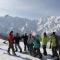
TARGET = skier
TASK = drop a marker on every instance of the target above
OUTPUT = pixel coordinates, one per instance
(11, 42)
(58, 43)
(44, 43)
(25, 38)
(17, 40)
(59, 46)
(54, 45)
(36, 46)
(29, 43)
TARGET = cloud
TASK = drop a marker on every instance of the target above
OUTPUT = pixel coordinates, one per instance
(30, 8)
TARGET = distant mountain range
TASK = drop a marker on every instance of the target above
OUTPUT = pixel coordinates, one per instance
(22, 25)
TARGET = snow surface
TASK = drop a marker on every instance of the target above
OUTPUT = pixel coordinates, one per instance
(4, 47)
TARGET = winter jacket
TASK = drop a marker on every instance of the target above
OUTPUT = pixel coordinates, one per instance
(25, 37)
(36, 42)
(30, 40)
(44, 40)
(58, 39)
(17, 39)
(53, 41)
(59, 42)
(10, 38)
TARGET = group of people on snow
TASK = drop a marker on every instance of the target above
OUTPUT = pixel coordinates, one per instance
(33, 43)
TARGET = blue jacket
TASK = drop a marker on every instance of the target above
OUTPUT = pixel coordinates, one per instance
(36, 42)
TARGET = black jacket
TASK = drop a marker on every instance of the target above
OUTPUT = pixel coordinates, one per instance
(25, 38)
(17, 39)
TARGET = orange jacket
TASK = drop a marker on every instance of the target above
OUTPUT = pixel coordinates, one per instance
(10, 37)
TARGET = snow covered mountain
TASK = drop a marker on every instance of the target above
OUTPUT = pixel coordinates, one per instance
(49, 24)
(43, 24)
(8, 23)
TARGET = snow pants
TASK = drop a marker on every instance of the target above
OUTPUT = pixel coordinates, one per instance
(59, 49)
(17, 45)
(11, 47)
(54, 51)
(30, 48)
(37, 52)
(44, 50)
(25, 46)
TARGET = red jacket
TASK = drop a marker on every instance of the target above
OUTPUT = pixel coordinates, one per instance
(10, 37)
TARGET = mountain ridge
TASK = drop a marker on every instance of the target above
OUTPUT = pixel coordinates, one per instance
(23, 25)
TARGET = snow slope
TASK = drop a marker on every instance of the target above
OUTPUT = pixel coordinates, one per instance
(3, 49)
(48, 24)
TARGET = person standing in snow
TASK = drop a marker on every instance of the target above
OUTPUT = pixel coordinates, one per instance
(59, 45)
(36, 46)
(29, 43)
(11, 42)
(25, 38)
(44, 43)
(17, 40)
(54, 45)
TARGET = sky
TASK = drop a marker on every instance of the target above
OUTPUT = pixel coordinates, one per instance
(31, 9)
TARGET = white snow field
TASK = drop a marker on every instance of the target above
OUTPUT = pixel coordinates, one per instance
(20, 56)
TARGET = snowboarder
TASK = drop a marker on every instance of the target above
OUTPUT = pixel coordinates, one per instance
(29, 43)
(36, 46)
(58, 37)
(44, 43)
(54, 45)
(11, 42)
(58, 43)
(59, 47)
(25, 38)
(17, 40)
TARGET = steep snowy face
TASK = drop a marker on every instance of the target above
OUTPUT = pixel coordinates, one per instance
(48, 24)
